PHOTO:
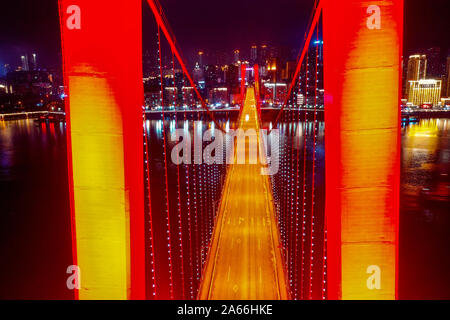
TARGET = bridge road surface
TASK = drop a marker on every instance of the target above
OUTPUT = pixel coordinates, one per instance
(244, 261)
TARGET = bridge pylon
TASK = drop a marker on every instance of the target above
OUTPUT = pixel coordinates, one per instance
(362, 74)
(102, 56)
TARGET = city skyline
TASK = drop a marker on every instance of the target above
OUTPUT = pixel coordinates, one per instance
(40, 33)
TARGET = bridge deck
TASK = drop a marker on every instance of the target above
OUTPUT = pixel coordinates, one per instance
(245, 261)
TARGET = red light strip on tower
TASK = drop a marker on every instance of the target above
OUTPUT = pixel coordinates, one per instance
(243, 82)
(257, 89)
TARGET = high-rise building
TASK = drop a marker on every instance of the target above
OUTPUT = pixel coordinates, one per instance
(300, 99)
(425, 91)
(188, 96)
(417, 69)
(219, 96)
(446, 80)
(274, 93)
(200, 61)
(434, 65)
(232, 76)
(212, 74)
(170, 96)
(25, 65)
(274, 52)
(272, 68)
(198, 73)
(150, 64)
(263, 54)
(30, 82)
(254, 54)
(289, 71)
(152, 99)
(34, 61)
(220, 58)
(236, 56)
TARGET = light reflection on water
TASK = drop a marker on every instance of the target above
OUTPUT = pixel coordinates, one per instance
(34, 216)
(424, 213)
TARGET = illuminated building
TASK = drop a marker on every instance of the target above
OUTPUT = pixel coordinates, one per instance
(30, 82)
(202, 85)
(272, 69)
(188, 96)
(313, 64)
(426, 91)
(288, 72)
(448, 74)
(152, 99)
(263, 54)
(34, 61)
(219, 58)
(274, 93)
(149, 64)
(198, 73)
(417, 67)
(254, 54)
(231, 75)
(434, 67)
(274, 52)
(218, 96)
(6, 68)
(25, 65)
(212, 75)
(236, 56)
(170, 96)
(152, 92)
(200, 58)
(3, 86)
(446, 80)
(300, 99)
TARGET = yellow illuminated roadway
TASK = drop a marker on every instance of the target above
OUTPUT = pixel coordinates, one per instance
(244, 261)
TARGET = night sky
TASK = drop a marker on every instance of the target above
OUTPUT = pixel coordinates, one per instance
(32, 25)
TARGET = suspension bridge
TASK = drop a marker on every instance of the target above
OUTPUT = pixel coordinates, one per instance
(245, 259)
(144, 228)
